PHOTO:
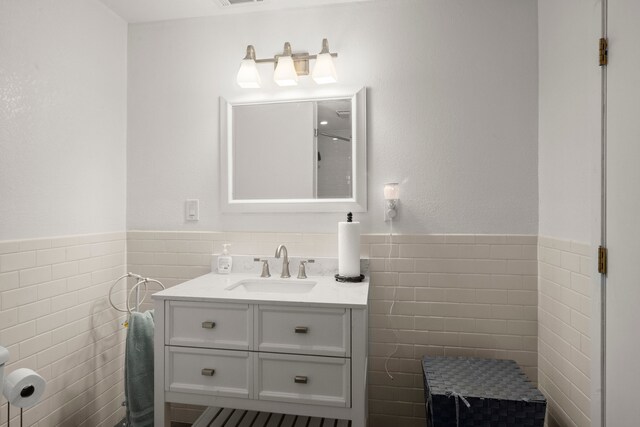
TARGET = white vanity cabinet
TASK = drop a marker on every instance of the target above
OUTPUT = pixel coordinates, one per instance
(263, 355)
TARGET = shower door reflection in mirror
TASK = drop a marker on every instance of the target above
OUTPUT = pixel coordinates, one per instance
(333, 149)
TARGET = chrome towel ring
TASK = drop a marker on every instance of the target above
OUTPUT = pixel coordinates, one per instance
(144, 281)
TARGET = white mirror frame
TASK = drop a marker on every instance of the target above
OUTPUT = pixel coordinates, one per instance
(357, 203)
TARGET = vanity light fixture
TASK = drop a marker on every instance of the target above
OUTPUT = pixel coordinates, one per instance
(248, 76)
(285, 73)
(324, 71)
(324, 123)
(288, 66)
(391, 197)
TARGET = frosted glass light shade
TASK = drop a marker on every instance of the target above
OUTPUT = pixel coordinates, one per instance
(324, 70)
(285, 73)
(248, 76)
(391, 191)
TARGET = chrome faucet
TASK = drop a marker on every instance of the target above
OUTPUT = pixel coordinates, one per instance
(285, 261)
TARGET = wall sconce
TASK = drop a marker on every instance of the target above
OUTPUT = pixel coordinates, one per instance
(288, 66)
(391, 197)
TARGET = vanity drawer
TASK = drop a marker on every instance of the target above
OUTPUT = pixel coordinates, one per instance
(204, 371)
(209, 325)
(303, 330)
(303, 379)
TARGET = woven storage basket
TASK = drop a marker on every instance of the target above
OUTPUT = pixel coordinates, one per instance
(468, 392)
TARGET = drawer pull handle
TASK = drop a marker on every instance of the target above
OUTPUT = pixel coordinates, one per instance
(300, 379)
(208, 325)
(301, 329)
(208, 372)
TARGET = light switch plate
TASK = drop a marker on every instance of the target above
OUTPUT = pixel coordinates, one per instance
(192, 210)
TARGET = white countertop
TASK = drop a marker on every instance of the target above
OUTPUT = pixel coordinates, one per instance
(212, 288)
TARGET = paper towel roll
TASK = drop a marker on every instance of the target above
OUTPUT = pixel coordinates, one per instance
(349, 249)
(23, 388)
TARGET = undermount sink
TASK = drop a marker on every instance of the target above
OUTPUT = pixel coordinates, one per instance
(285, 286)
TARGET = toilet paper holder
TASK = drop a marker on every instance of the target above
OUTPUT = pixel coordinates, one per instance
(4, 358)
(25, 391)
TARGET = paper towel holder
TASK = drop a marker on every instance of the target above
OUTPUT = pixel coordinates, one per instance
(347, 279)
(356, 277)
(391, 197)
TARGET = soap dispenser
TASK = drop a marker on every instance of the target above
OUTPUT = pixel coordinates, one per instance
(224, 260)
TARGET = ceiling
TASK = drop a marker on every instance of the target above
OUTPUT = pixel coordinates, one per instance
(134, 11)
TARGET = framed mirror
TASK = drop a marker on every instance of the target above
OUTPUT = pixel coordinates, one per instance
(300, 155)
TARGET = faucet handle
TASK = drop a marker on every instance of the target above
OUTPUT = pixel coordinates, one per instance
(265, 267)
(302, 271)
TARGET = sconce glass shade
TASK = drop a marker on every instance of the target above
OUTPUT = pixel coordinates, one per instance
(324, 70)
(391, 191)
(285, 73)
(248, 76)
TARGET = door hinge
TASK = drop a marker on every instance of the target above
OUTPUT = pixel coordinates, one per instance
(602, 260)
(604, 51)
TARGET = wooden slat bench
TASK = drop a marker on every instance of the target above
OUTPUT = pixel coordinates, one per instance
(226, 417)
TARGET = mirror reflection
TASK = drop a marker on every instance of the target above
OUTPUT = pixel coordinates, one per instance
(293, 150)
(299, 155)
(333, 145)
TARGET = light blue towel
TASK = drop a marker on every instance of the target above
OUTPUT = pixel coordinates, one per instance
(138, 370)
